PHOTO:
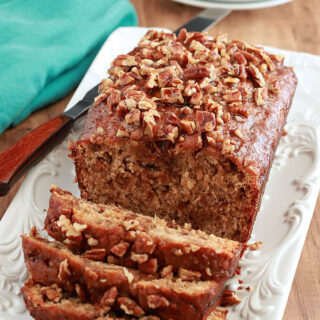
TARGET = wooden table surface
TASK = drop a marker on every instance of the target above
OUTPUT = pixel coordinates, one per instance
(293, 26)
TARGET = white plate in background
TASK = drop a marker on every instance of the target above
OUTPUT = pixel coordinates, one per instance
(233, 4)
(282, 223)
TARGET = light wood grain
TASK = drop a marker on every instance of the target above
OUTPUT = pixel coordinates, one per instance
(294, 26)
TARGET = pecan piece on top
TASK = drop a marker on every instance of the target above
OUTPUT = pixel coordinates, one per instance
(171, 95)
(120, 249)
(196, 72)
(109, 297)
(205, 121)
(150, 266)
(260, 96)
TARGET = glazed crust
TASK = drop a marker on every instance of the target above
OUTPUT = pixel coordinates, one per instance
(180, 247)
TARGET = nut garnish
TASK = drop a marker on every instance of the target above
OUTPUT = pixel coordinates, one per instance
(188, 275)
(155, 301)
(120, 249)
(130, 307)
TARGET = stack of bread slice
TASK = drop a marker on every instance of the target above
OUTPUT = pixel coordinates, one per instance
(110, 263)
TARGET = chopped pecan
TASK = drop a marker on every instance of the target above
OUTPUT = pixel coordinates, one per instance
(128, 275)
(155, 301)
(165, 77)
(109, 297)
(196, 99)
(120, 249)
(188, 126)
(64, 271)
(274, 86)
(130, 307)
(151, 81)
(233, 96)
(260, 96)
(238, 133)
(166, 271)
(95, 254)
(149, 266)
(188, 275)
(171, 95)
(147, 104)
(257, 75)
(186, 110)
(133, 116)
(240, 58)
(149, 124)
(125, 60)
(205, 121)
(231, 80)
(182, 35)
(227, 147)
(125, 79)
(134, 95)
(171, 133)
(229, 298)
(144, 244)
(250, 57)
(191, 88)
(196, 72)
(52, 293)
(122, 132)
(197, 46)
(172, 118)
(139, 257)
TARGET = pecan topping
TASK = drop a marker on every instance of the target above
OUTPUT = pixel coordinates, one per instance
(109, 297)
(133, 117)
(95, 254)
(188, 275)
(139, 257)
(130, 307)
(257, 75)
(171, 95)
(64, 271)
(234, 96)
(149, 266)
(188, 126)
(166, 271)
(229, 298)
(155, 301)
(122, 132)
(205, 121)
(260, 96)
(196, 73)
(120, 249)
(125, 60)
(144, 244)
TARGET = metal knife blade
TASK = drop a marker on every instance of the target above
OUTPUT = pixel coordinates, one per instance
(204, 20)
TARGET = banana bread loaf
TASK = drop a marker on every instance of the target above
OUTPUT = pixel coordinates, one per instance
(186, 128)
(52, 303)
(122, 238)
(134, 293)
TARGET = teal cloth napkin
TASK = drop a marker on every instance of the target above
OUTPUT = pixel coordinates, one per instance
(46, 46)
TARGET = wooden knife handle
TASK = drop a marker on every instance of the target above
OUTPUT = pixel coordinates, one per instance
(21, 156)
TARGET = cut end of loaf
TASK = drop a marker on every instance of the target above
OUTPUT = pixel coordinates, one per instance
(208, 192)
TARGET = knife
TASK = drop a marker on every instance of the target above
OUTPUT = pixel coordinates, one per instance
(29, 150)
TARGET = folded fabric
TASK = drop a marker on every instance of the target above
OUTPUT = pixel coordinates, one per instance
(46, 47)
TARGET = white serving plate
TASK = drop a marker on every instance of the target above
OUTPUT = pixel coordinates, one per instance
(233, 4)
(282, 222)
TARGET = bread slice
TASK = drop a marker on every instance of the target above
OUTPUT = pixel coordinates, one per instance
(133, 240)
(52, 303)
(132, 291)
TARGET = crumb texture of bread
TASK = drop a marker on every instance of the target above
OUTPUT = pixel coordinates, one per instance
(116, 287)
(150, 244)
(52, 303)
(185, 128)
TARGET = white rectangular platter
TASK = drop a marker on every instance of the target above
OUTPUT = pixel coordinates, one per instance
(282, 222)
